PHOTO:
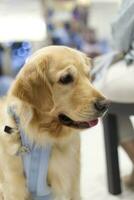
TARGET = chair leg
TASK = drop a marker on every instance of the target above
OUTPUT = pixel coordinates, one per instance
(111, 148)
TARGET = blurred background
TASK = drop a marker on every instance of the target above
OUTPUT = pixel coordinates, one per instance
(26, 26)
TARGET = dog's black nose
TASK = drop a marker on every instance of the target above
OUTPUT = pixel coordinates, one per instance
(102, 105)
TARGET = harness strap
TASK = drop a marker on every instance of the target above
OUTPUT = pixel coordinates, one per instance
(35, 164)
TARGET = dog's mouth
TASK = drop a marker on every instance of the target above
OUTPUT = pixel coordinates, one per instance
(65, 120)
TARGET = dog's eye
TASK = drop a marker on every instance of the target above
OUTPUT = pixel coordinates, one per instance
(66, 79)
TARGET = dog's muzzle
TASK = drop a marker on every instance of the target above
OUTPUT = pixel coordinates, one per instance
(65, 120)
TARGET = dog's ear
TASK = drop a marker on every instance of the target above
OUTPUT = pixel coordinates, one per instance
(32, 84)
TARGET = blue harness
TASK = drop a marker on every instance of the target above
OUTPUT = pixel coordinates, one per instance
(35, 165)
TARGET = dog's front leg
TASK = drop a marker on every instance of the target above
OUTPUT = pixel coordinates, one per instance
(64, 170)
(14, 187)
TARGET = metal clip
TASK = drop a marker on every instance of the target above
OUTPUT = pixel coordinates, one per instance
(23, 150)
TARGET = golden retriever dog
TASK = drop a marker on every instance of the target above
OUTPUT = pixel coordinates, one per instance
(53, 98)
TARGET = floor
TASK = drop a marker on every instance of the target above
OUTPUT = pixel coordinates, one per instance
(94, 183)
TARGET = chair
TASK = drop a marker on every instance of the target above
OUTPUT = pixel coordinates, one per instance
(111, 143)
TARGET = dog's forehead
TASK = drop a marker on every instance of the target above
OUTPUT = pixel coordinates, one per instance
(69, 63)
(69, 57)
(61, 57)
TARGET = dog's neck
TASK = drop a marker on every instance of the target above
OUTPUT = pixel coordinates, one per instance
(51, 125)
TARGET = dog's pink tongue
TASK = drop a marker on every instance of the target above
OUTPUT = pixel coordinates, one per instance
(93, 123)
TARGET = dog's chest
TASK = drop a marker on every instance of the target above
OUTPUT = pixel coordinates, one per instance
(36, 167)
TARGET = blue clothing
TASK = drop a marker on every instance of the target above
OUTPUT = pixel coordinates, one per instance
(61, 35)
(123, 27)
(5, 83)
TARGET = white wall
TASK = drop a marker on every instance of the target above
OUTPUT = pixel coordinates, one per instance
(21, 20)
(101, 16)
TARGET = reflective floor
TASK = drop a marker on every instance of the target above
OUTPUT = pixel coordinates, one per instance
(94, 185)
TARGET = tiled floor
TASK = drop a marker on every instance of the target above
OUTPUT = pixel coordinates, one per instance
(94, 186)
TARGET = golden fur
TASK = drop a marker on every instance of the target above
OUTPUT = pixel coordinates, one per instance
(38, 98)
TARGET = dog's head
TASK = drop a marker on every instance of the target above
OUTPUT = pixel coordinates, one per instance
(56, 80)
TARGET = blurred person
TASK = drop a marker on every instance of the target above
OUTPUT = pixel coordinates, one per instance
(5, 81)
(81, 13)
(116, 80)
(60, 35)
(20, 51)
(68, 33)
(1, 53)
(75, 34)
(92, 46)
